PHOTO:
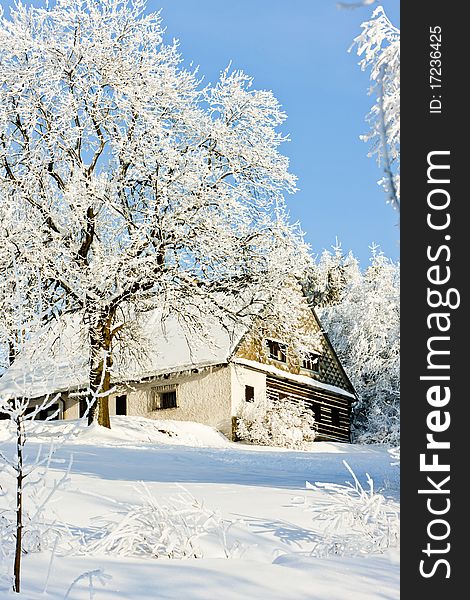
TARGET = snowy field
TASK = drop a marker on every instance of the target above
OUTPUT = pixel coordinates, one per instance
(262, 534)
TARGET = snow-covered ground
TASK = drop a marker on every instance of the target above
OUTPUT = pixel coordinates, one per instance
(277, 522)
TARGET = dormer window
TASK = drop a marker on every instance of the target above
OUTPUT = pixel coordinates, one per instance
(311, 362)
(277, 350)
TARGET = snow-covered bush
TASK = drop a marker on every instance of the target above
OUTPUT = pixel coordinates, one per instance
(38, 534)
(359, 521)
(92, 578)
(154, 529)
(285, 422)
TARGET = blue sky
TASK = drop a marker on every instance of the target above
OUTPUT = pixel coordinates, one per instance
(298, 49)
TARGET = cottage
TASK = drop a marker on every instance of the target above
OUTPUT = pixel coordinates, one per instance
(183, 377)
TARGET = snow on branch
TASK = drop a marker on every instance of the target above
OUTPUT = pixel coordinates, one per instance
(379, 46)
(359, 519)
(150, 528)
(125, 182)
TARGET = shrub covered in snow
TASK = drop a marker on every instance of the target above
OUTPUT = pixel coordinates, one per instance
(360, 521)
(154, 529)
(285, 422)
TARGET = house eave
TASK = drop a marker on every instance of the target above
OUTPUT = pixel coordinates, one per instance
(303, 379)
(167, 373)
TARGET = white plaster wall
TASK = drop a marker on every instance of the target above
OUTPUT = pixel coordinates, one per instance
(112, 405)
(72, 408)
(137, 404)
(242, 376)
(210, 397)
(72, 405)
(139, 400)
(202, 397)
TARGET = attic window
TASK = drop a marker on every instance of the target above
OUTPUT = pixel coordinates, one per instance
(311, 362)
(164, 397)
(277, 350)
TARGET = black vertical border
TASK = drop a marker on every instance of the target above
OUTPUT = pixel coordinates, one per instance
(421, 133)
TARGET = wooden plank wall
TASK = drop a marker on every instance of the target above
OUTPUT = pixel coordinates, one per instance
(316, 397)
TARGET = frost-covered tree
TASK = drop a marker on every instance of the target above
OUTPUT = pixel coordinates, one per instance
(23, 494)
(326, 282)
(21, 295)
(129, 184)
(379, 47)
(364, 327)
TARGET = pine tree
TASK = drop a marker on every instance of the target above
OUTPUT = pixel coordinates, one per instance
(363, 323)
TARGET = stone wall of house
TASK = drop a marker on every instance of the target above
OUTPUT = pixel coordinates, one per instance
(204, 397)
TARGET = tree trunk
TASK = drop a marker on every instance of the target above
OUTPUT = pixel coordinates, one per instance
(19, 504)
(100, 371)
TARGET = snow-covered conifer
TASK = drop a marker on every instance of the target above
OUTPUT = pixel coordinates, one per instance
(365, 330)
(327, 281)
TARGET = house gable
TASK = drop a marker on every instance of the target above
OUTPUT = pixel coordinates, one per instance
(257, 344)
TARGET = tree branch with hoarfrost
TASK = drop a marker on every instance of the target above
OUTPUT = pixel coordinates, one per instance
(24, 495)
(129, 184)
(379, 46)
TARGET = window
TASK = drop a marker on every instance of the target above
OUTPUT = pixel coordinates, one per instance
(316, 409)
(121, 405)
(51, 413)
(168, 399)
(335, 419)
(249, 393)
(165, 397)
(311, 362)
(277, 350)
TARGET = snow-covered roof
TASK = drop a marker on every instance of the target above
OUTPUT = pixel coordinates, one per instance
(57, 358)
(54, 359)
